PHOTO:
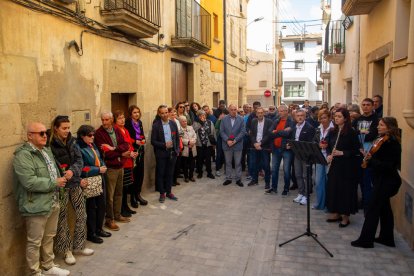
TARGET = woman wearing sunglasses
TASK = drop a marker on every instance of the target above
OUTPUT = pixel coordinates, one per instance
(69, 158)
(95, 206)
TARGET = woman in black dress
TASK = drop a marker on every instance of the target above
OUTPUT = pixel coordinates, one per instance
(343, 152)
(385, 160)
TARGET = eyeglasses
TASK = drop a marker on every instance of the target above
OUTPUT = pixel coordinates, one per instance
(187, 105)
(91, 135)
(181, 106)
(271, 108)
(41, 133)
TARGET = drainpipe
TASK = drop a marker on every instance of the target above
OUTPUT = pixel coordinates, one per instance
(408, 111)
(225, 48)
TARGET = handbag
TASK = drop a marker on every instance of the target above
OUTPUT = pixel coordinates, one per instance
(94, 187)
(212, 139)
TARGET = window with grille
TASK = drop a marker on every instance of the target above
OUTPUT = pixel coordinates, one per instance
(299, 65)
(294, 89)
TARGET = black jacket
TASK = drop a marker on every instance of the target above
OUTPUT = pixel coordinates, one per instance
(133, 134)
(158, 140)
(307, 133)
(285, 135)
(266, 142)
(68, 154)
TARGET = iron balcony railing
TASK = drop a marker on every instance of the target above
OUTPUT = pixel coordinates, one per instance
(149, 10)
(325, 66)
(334, 38)
(193, 21)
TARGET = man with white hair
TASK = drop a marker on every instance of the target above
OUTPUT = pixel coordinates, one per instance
(36, 186)
(232, 131)
(112, 145)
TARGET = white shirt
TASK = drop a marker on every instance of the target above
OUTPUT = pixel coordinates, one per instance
(232, 120)
(259, 135)
(298, 130)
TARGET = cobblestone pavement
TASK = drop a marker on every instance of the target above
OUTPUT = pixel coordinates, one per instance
(228, 230)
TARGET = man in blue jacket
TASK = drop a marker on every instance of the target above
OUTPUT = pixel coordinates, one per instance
(232, 131)
(37, 182)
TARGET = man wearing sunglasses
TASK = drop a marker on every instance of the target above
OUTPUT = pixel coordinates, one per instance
(36, 186)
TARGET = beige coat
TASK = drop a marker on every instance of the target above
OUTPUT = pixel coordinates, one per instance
(189, 136)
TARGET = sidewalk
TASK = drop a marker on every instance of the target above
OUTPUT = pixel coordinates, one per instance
(228, 230)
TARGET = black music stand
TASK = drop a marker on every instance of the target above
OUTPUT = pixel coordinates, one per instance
(311, 154)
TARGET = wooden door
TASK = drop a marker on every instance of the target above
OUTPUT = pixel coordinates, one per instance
(120, 101)
(179, 86)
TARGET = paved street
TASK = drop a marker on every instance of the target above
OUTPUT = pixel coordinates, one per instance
(218, 230)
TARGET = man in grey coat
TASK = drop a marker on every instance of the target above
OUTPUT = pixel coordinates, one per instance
(232, 131)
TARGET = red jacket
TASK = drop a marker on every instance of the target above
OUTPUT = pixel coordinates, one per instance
(113, 159)
(127, 162)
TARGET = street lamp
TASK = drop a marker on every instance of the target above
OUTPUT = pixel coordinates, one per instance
(255, 20)
(225, 15)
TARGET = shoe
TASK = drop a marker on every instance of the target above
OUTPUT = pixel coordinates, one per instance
(293, 187)
(343, 225)
(142, 201)
(122, 219)
(186, 180)
(126, 214)
(218, 173)
(334, 219)
(177, 183)
(128, 210)
(210, 175)
(69, 259)
(172, 197)
(239, 183)
(84, 252)
(56, 271)
(303, 201)
(227, 182)
(94, 239)
(252, 183)
(180, 176)
(285, 193)
(162, 198)
(134, 202)
(270, 191)
(200, 175)
(103, 234)
(192, 179)
(110, 224)
(298, 198)
(248, 177)
(267, 186)
(383, 242)
(358, 243)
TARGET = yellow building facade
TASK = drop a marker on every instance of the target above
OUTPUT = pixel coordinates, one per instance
(378, 59)
(81, 59)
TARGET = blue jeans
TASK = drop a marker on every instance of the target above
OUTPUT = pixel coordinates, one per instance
(277, 156)
(260, 159)
(320, 181)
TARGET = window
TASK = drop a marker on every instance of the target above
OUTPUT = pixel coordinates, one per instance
(299, 65)
(232, 39)
(215, 20)
(263, 83)
(299, 46)
(241, 52)
(294, 89)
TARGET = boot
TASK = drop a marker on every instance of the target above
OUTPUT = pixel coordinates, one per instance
(134, 202)
(141, 200)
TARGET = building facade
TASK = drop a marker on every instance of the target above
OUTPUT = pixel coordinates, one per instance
(301, 65)
(80, 58)
(376, 57)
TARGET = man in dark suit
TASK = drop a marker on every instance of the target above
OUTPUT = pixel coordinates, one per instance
(302, 131)
(232, 131)
(260, 147)
(166, 143)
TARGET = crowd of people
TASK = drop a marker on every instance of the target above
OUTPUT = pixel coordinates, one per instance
(100, 172)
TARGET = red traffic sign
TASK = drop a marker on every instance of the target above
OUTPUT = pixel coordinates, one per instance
(267, 93)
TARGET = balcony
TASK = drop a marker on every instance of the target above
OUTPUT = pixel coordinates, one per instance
(334, 51)
(325, 69)
(193, 28)
(139, 18)
(357, 7)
